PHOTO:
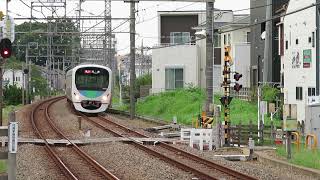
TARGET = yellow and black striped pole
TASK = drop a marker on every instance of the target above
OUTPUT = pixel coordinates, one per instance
(226, 99)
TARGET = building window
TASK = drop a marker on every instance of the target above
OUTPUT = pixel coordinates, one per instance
(263, 27)
(248, 36)
(179, 37)
(311, 91)
(299, 93)
(309, 40)
(217, 40)
(18, 79)
(313, 39)
(224, 39)
(174, 78)
(229, 39)
(297, 41)
(287, 44)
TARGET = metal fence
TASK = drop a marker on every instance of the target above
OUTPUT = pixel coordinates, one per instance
(244, 94)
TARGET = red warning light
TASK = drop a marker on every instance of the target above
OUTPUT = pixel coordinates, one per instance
(87, 71)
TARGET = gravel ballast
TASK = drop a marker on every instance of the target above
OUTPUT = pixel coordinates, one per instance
(125, 160)
(34, 163)
(132, 163)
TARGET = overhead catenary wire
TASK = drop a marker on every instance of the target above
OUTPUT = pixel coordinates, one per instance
(251, 25)
(240, 10)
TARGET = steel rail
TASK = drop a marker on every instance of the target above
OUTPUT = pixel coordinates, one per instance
(102, 170)
(156, 154)
(186, 154)
(62, 166)
(65, 169)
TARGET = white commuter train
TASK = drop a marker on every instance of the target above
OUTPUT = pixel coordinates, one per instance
(88, 88)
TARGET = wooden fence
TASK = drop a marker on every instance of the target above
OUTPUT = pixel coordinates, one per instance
(240, 134)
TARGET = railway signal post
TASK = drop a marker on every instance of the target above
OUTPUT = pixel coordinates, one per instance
(226, 99)
(5, 52)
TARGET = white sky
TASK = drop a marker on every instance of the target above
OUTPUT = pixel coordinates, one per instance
(146, 30)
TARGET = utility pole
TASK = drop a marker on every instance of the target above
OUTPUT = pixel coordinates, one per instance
(267, 61)
(132, 58)
(1, 90)
(23, 86)
(27, 75)
(142, 60)
(209, 54)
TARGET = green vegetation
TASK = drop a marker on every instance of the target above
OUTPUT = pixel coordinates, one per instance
(12, 95)
(6, 111)
(269, 93)
(304, 157)
(187, 103)
(140, 81)
(184, 103)
(3, 166)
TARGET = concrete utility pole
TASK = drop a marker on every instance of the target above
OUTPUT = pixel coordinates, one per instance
(1, 91)
(209, 54)
(132, 58)
(27, 76)
(267, 61)
(23, 86)
(142, 60)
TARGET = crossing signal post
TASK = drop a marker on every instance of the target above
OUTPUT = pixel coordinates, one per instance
(226, 99)
(5, 52)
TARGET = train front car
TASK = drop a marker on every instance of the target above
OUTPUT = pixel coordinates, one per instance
(92, 88)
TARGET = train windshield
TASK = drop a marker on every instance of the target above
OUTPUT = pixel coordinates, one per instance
(92, 78)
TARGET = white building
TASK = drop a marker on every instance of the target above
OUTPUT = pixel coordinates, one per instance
(13, 77)
(300, 59)
(238, 40)
(177, 66)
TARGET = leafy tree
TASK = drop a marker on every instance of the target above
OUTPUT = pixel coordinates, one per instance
(35, 32)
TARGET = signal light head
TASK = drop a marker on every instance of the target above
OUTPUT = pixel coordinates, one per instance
(5, 48)
(5, 53)
(237, 76)
(237, 87)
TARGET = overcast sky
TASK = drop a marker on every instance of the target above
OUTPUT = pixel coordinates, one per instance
(146, 16)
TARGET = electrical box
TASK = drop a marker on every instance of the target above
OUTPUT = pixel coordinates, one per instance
(312, 124)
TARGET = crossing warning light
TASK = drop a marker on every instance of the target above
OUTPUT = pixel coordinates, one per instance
(5, 48)
(237, 87)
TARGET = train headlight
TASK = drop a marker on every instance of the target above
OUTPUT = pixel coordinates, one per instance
(104, 98)
(77, 97)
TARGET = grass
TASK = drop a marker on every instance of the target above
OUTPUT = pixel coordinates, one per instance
(3, 166)
(304, 157)
(184, 104)
(6, 111)
(187, 103)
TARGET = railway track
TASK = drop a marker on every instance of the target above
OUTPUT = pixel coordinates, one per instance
(66, 158)
(200, 167)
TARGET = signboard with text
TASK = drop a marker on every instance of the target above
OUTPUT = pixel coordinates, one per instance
(13, 137)
(307, 59)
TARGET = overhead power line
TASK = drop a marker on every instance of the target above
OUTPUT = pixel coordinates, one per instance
(251, 25)
(240, 10)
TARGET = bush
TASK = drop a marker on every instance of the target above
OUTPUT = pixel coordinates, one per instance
(12, 95)
(269, 93)
(140, 81)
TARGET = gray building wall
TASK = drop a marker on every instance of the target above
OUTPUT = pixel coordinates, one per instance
(257, 48)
